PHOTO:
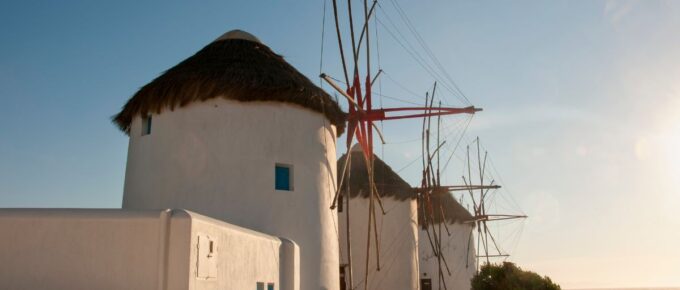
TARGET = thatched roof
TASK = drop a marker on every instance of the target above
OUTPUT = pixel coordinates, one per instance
(236, 66)
(453, 211)
(388, 182)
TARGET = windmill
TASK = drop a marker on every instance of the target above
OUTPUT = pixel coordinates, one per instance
(363, 115)
(431, 189)
(487, 244)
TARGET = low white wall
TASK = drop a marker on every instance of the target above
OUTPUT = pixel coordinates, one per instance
(79, 249)
(244, 257)
(398, 244)
(122, 249)
(459, 257)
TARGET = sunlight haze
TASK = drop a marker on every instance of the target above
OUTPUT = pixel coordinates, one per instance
(581, 112)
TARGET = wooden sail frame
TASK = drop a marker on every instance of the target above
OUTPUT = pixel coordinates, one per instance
(361, 126)
(485, 238)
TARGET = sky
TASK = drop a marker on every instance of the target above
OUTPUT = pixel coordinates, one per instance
(581, 107)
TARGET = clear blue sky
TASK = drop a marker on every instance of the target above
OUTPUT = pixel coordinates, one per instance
(581, 99)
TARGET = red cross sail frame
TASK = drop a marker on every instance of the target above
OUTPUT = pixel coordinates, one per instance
(362, 115)
(361, 118)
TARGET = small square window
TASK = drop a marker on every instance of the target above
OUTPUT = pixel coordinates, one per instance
(283, 177)
(270, 286)
(260, 285)
(146, 125)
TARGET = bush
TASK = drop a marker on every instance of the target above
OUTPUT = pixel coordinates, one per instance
(510, 277)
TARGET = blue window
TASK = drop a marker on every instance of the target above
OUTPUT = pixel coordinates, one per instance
(284, 177)
(270, 286)
(146, 125)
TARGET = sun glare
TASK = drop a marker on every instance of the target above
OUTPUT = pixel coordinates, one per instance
(670, 140)
(658, 152)
(671, 146)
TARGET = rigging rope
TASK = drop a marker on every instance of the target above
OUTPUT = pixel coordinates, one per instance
(323, 34)
(457, 143)
(324, 124)
(427, 49)
(413, 52)
(416, 56)
(446, 136)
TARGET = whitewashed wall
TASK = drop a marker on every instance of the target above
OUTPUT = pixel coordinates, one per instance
(217, 158)
(243, 257)
(460, 258)
(122, 249)
(398, 236)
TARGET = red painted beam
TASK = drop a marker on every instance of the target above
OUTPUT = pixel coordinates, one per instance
(380, 114)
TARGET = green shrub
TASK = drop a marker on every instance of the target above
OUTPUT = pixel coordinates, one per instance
(508, 276)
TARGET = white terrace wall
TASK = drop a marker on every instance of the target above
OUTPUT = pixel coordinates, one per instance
(120, 249)
(398, 237)
(217, 158)
(460, 258)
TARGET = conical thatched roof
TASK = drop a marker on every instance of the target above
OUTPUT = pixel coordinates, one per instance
(389, 183)
(453, 211)
(238, 67)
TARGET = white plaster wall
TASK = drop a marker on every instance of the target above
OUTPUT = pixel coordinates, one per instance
(217, 158)
(85, 249)
(289, 269)
(460, 258)
(398, 236)
(244, 257)
(122, 249)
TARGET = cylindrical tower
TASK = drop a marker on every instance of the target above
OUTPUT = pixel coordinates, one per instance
(457, 245)
(236, 133)
(397, 228)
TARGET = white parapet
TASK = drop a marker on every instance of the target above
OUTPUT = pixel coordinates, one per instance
(150, 249)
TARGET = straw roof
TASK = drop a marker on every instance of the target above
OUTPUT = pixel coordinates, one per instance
(236, 66)
(388, 182)
(453, 211)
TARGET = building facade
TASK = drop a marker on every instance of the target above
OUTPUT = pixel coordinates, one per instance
(236, 133)
(144, 249)
(452, 233)
(397, 228)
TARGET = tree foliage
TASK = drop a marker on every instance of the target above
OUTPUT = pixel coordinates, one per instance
(508, 276)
